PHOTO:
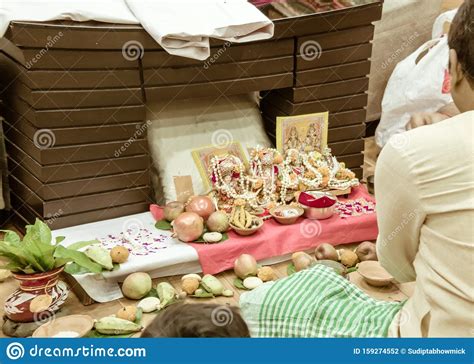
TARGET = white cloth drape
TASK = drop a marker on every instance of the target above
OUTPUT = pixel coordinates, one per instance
(181, 27)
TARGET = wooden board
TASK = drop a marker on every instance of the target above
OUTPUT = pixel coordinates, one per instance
(325, 91)
(72, 171)
(85, 134)
(78, 204)
(334, 57)
(333, 105)
(75, 153)
(219, 88)
(59, 221)
(335, 73)
(56, 118)
(84, 186)
(217, 72)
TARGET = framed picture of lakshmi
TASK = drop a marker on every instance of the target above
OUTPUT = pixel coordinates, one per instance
(305, 133)
(232, 152)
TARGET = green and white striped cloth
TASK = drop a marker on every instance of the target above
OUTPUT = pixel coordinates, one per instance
(316, 302)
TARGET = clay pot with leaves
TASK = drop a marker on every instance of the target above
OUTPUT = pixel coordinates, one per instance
(36, 261)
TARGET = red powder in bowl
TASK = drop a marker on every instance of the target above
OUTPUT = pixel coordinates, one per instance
(319, 202)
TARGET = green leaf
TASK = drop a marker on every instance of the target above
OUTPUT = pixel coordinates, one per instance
(60, 239)
(11, 237)
(73, 268)
(152, 293)
(290, 269)
(93, 334)
(238, 283)
(77, 257)
(19, 255)
(350, 270)
(138, 316)
(225, 236)
(82, 244)
(37, 241)
(116, 266)
(163, 225)
(203, 294)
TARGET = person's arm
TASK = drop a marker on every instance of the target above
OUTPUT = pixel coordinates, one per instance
(427, 118)
(399, 212)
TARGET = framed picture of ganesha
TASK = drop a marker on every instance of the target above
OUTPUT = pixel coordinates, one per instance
(305, 133)
(203, 157)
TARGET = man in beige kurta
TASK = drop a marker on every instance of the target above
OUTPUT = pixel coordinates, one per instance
(424, 186)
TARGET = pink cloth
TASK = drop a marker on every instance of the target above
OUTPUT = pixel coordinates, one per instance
(274, 239)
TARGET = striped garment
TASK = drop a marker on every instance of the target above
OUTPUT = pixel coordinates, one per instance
(315, 302)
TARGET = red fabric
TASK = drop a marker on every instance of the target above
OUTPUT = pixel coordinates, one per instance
(274, 239)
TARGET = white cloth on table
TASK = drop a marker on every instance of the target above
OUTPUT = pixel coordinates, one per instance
(181, 27)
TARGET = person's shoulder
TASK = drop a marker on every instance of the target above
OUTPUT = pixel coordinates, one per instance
(459, 126)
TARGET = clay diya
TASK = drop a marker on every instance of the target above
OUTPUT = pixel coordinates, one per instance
(374, 274)
(67, 326)
(286, 215)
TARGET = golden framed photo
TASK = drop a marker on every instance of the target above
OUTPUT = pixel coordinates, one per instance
(203, 156)
(305, 133)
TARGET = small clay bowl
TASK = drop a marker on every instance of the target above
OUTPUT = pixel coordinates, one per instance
(250, 231)
(374, 274)
(81, 324)
(286, 215)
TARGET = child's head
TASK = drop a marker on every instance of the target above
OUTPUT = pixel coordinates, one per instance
(461, 56)
(197, 320)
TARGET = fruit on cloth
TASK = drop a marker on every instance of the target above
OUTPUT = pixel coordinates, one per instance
(201, 205)
(136, 285)
(166, 293)
(116, 326)
(100, 255)
(119, 254)
(218, 221)
(190, 285)
(212, 285)
(245, 265)
(241, 218)
(326, 252)
(266, 274)
(40, 303)
(228, 293)
(301, 260)
(348, 257)
(127, 313)
(149, 304)
(213, 237)
(366, 251)
(172, 210)
(252, 282)
(188, 226)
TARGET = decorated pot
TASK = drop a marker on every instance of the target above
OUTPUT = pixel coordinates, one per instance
(17, 305)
